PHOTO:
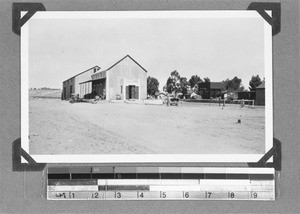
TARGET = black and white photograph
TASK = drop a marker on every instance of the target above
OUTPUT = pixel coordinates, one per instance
(146, 86)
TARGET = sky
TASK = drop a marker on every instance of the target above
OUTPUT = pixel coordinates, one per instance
(217, 48)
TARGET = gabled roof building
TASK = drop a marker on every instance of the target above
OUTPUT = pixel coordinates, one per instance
(260, 94)
(126, 79)
(210, 89)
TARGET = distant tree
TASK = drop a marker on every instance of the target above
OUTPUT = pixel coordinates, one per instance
(184, 85)
(173, 83)
(194, 80)
(241, 88)
(232, 85)
(165, 88)
(152, 85)
(196, 89)
(254, 82)
(206, 79)
(225, 84)
(236, 82)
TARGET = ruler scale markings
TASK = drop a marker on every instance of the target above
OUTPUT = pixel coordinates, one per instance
(126, 195)
(102, 169)
(169, 170)
(103, 172)
(193, 176)
(73, 188)
(224, 188)
(103, 176)
(149, 195)
(194, 194)
(215, 176)
(262, 188)
(237, 176)
(56, 182)
(174, 188)
(59, 176)
(261, 176)
(224, 182)
(81, 176)
(148, 182)
(163, 183)
(170, 194)
(171, 176)
(262, 182)
(58, 195)
(216, 194)
(127, 187)
(148, 176)
(125, 172)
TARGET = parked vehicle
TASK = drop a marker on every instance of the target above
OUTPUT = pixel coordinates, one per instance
(174, 101)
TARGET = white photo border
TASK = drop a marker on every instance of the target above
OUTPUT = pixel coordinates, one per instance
(141, 158)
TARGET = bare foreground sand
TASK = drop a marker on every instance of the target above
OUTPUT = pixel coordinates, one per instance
(58, 127)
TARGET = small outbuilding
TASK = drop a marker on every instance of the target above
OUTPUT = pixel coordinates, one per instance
(260, 94)
(246, 95)
(126, 79)
(209, 90)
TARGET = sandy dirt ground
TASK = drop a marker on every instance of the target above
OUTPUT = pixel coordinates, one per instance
(58, 127)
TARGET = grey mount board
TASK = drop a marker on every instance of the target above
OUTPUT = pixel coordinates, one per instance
(24, 192)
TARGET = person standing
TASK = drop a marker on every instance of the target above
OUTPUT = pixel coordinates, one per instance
(168, 99)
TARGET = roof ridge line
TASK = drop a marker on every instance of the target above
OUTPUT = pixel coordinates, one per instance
(122, 60)
(82, 72)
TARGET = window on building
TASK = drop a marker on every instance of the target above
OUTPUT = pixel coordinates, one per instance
(121, 89)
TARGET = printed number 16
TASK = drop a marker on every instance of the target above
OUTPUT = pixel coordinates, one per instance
(187, 195)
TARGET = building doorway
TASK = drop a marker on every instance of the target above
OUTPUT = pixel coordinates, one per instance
(98, 88)
(132, 92)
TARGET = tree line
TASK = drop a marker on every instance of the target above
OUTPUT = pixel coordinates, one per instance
(181, 85)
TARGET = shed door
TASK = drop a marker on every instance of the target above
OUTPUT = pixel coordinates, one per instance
(136, 92)
(127, 92)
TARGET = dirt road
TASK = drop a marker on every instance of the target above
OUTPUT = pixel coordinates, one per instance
(58, 127)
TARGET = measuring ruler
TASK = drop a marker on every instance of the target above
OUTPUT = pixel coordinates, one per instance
(160, 183)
